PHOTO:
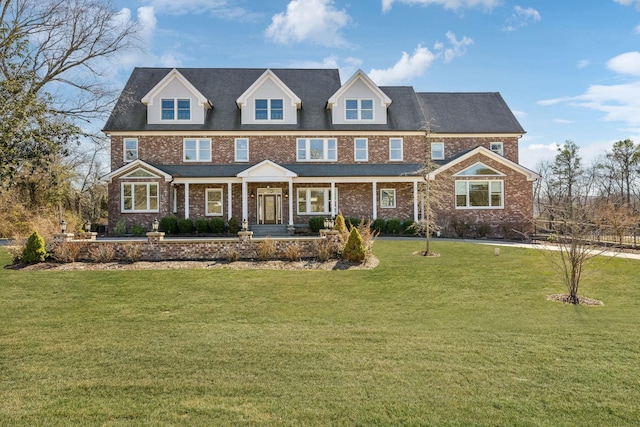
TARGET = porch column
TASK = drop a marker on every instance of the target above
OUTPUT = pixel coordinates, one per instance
(229, 200)
(375, 200)
(290, 201)
(245, 208)
(186, 200)
(415, 201)
(333, 199)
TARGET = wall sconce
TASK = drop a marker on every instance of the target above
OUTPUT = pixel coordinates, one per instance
(154, 225)
(87, 226)
(63, 226)
(253, 195)
(286, 194)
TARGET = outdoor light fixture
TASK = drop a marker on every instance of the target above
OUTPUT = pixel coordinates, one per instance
(87, 226)
(245, 225)
(63, 226)
(286, 194)
(154, 225)
(252, 194)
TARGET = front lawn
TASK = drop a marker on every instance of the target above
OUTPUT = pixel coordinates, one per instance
(464, 339)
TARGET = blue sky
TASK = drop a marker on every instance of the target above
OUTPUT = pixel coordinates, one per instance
(568, 70)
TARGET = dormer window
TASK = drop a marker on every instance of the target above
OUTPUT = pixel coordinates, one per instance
(176, 109)
(358, 109)
(269, 109)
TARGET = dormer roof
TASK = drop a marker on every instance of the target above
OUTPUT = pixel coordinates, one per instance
(172, 75)
(359, 76)
(268, 75)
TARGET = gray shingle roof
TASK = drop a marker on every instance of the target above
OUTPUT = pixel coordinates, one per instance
(468, 112)
(451, 112)
(302, 169)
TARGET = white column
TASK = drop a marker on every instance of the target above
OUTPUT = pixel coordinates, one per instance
(245, 208)
(186, 200)
(290, 201)
(375, 201)
(333, 199)
(229, 201)
(415, 201)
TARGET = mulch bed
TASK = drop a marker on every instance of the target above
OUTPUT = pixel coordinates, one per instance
(564, 298)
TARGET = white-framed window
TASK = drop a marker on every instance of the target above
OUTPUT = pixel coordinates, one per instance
(358, 109)
(437, 150)
(395, 149)
(130, 149)
(241, 150)
(388, 198)
(315, 201)
(269, 109)
(213, 201)
(176, 108)
(480, 194)
(197, 150)
(361, 149)
(497, 147)
(317, 150)
(140, 197)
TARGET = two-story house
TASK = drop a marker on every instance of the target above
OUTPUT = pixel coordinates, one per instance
(279, 146)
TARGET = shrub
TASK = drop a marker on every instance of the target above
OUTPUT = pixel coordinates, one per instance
(408, 226)
(316, 224)
(325, 249)
(394, 226)
(341, 227)
(120, 228)
(266, 249)
(66, 251)
(353, 222)
(137, 230)
(168, 224)
(292, 252)
(233, 255)
(216, 225)
(368, 235)
(354, 250)
(202, 225)
(234, 226)
(34, 251)
(185, 225)
(380, 225)
(483, 229)
(460, 227)
(102, 252)
(133, 251)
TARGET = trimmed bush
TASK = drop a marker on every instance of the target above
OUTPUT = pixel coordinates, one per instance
(120, 228)
(354, 250)
(168, 224)
(234, 226)
(216, 225)
(34, 251)
(202, 225)
(316, 224)
(394, 226)
(137, 230)
(341, 227)
(185, 226)
(408, 227)
(380, 225)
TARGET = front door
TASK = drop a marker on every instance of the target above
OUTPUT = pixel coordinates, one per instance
(270, 212)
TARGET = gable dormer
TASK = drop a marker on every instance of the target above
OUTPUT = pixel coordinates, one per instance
(269, 101)
(174, 100)
(359, 101)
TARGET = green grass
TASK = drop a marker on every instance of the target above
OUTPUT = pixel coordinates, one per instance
(464, 339)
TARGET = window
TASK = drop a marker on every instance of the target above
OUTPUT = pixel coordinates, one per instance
(197, 150)
(358, 109)
(269, 109)
(130, 149)
(479, 194)
(214, 202)
(139, 197)
(242, 150)
(312, 201)
(388, 198)
(395, 149)
(172, 108)
(361, 150)
(496, 147)
(478, 169)
(437, 150)
(317, 150)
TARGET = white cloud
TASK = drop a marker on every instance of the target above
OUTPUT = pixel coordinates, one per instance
(636, 29)
(629, 2)
(314, 21)
(458, 48)
(521, 17)
(519, 114)
(447, 4)
(218, 8)
(626, 63)
(546, 147)
(582, 64)
(562, 121)
(405, 69)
